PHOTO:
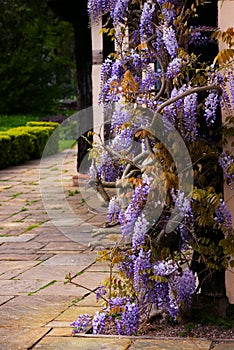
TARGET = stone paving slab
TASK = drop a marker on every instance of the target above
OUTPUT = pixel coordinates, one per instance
(89, 280)
(29, 245)
(162, 344)
(4, 299)
(11, 269)
(225, 346)
(32, 311)
(77, 343)
(21, 338)
(49, 252)
(72, 259)
(72, 313)
(21, 238)
(21, 257)
(60, 332)
(42, 272)
(62, 246)
(19, 287)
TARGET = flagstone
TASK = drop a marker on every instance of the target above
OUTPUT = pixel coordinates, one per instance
(88, 301)
(60, 324)
(20, 339)
(48, 235)
(73, 312)
(17, 287)
(72, 259)
(88, 280)
(32, 311)
(19, 257)
(12, 268)
(60, 332)
(225, 346)
(21, 238)
(64, 246)
(78, 343)
(42, 272)
(21, 246)
(156, 344)
(4, 299)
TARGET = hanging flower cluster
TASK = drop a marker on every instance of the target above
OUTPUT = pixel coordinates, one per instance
(156, 74)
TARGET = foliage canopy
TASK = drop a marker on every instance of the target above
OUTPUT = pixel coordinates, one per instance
(37, 63)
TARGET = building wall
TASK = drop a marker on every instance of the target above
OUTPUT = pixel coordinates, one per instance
(226, 20)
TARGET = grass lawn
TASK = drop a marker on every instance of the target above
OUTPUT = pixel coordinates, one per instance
(12, 121)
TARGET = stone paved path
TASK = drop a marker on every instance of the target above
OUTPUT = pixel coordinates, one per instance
(44, 235)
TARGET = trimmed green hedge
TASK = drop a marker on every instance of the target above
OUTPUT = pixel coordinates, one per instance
(26, 142)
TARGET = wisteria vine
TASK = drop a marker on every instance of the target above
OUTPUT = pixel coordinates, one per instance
(159, 73)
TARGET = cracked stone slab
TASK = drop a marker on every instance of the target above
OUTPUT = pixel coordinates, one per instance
(77, 343)
(181, 344)
(4, 299)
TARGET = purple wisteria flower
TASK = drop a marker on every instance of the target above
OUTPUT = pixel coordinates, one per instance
(106, 69)
(165, 268)
(134, 209)
(97, 8)
(98, 322)
(190, 120)
(223, 215)
(211, 105)
(141, 266)
(170, 41)
(80, 325)
(181, 202)
(146, 21)
(187, 287)
(130, 319)
(225, 161)
(169, 15)
(109, 170)
(140, 231)
(113, 209)
(100, 292)
(119, 11)
(149, 81)
(231, 86)
(174, 68)
(111, 74)
(186, 228)
(174, 292)
(224, 98)
(127, 265)
(170, 112)
(197, 37)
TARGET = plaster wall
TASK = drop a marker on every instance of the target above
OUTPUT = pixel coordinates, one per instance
(226, 20)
